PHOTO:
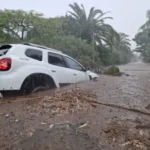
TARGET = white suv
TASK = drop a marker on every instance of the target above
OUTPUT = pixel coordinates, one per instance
(29, 68)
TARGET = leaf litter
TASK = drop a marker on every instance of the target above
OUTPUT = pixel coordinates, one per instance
(129, 138)
(65, 102)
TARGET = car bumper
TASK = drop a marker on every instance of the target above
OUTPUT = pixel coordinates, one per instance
(8, 83)
(93, 75)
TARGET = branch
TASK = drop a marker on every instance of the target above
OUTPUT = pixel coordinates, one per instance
(120, 107)
(13, 32)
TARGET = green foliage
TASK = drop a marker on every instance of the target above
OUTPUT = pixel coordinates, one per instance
(77, 48)
(91, 27)
(142, 39)
(112, 70)
(86, 38)
(16, 23)
(118, 52)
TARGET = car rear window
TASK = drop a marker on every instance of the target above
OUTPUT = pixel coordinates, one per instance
(34, 54)
(4, 49)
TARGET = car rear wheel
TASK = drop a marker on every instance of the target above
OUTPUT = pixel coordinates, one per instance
(36, 84)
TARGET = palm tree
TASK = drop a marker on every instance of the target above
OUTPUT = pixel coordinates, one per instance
(124, 42)
(147, 23)
(91, 27)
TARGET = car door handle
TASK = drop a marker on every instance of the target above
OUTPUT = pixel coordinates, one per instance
(53, 70)
(75, 74)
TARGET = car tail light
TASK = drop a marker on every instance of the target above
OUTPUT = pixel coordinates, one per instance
(5, 64)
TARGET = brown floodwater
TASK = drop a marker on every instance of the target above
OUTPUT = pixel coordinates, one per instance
(92, 127)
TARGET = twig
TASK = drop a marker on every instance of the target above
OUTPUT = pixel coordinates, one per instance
(143, 126)
(120, 107)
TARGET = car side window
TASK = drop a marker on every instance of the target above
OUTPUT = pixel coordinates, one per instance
(73, 64)
(34, 54)
(56, 59)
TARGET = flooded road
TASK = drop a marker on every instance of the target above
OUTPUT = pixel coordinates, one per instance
(31, 122)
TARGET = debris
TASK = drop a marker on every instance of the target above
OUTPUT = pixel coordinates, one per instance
(59, 103)
(7, 115)
(141, 132)
(71, 101)
(29, 134)
(83, 126)
(126, 144)
(51, 126)
(43, 123)
(113, 130)
(120, 107)
(136, 143)
(148, 107)
(16, 120)
(138, 121)
(114, 139)
(106, 130)
(94, 105)
(143, 126)
(127, 75)
(117, 74)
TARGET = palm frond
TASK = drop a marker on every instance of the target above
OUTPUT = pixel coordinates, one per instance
(74, 15)
(76, 8)
(83, 9)
(90, 13)
(94, 13)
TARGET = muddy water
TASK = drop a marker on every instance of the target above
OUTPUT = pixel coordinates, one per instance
(106, 128)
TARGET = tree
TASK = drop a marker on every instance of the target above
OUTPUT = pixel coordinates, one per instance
(45, 29)
(142, 39)
(16, 23)
(91, 27)
(86, 38)
(77, 48)
(124, 43)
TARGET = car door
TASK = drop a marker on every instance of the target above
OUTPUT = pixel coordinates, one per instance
(77, 69)
(57, 65)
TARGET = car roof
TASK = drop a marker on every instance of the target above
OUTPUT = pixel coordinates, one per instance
(39, 47)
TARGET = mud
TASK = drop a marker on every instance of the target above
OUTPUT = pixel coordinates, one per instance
(77, 124)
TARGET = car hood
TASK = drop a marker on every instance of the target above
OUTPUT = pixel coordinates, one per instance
(92, 74)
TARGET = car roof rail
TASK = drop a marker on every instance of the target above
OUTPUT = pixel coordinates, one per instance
(40, 46)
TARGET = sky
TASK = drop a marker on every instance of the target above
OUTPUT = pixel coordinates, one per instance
(128, 15)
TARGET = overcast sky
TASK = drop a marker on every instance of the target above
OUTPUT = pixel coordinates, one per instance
(128, 15)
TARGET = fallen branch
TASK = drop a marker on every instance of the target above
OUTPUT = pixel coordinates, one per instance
(143, 126)
(120, 107)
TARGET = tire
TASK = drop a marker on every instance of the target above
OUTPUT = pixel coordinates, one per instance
(34, 84)
(38, 89)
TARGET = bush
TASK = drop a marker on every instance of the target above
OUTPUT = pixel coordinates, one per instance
(76, 48)
(112, 70)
